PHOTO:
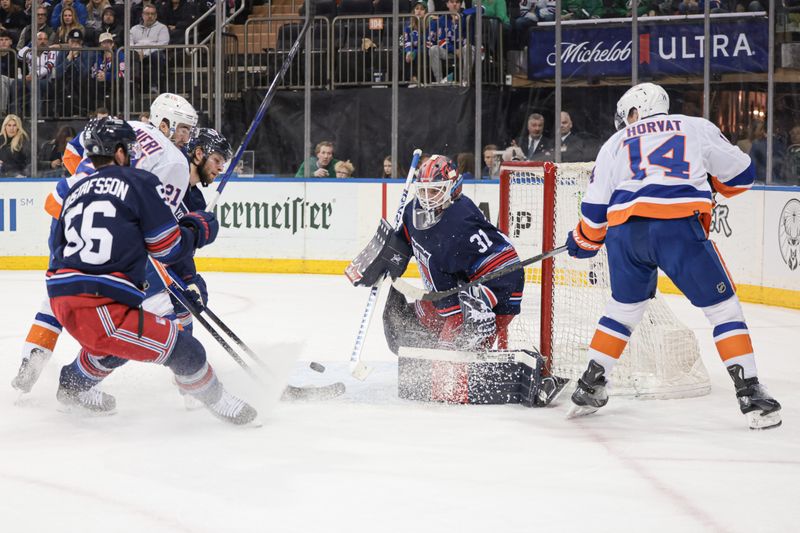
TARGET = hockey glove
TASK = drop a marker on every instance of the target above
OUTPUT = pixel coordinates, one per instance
(196, 291)
(204, 225)
(479, 319)
(579, 246)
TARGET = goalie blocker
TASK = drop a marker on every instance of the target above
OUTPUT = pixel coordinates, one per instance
(386, 253)
(491, 377)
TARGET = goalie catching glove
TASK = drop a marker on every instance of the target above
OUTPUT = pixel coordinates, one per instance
(386, 254)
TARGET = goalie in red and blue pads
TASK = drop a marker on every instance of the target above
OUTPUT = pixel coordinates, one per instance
(110, 222)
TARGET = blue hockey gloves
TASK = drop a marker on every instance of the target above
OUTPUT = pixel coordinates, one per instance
(581, 247)
(204, 224)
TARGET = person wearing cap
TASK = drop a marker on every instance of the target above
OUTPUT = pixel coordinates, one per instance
(110, 25)
(73, 68)
(80, 13)
(108, 67)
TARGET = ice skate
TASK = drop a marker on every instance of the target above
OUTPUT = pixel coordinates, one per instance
(761, 409)
(231, 409)
(590, 395)
(30, 370)
(92, 401)
(550, 389)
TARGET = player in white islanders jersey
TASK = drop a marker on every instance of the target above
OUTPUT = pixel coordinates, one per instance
(649, 200)
(160, 156)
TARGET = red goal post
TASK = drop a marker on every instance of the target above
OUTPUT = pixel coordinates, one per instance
(564, 297)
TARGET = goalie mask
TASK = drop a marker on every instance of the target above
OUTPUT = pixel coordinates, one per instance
(647, 98)
(438, 184)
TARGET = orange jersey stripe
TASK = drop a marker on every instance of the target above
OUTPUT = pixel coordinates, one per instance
(726, 190)
(71, 160)
(42, 337)
(52, 206)
(607, 344)
(594, 234)
(661, 211)
(722, 262)
(734, 346)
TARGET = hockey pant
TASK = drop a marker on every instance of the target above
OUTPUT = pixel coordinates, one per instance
(681, 248)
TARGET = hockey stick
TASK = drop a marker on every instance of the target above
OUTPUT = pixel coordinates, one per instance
(359, 369)
(262, 109)
(415, 293)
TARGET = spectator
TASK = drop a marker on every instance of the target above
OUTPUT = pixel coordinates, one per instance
(68, 24)
(791, 164)
(12, 19)
(177, 15)
(73, 68)
(145, 117)
(526, 21)
(534, 145)
(322, 164)
(344, 169)
(758, 153)
(15, 156)
(52, 151)
(100, 112)
(754, 130)
(387, 169)
(574, 147)
(465, 162)
(94, 20)
(491, 162)
(110, 25)
(106, 70)
(545, 10)
(447, 41)
(42, 25)
(8, 69)
(150, 32)
(411, 39)
(46, 70)
(79, 12)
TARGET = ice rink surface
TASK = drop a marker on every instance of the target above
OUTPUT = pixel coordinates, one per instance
(368, 462)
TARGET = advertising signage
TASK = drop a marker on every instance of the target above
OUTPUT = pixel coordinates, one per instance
(591, 51)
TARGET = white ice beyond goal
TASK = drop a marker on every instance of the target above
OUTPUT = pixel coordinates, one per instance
(564, 297)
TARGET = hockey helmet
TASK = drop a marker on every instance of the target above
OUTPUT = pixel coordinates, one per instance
(102, 136)
(174, 109)
(210, 140)
(647, 98)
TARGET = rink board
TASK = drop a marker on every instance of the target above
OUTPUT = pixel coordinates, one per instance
(318, 225)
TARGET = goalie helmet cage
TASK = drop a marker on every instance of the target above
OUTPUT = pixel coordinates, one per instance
(564, 297)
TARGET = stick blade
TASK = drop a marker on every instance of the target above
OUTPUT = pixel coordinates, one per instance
(360, 371)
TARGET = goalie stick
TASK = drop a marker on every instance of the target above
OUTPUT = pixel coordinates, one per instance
(291, 392)
(262, 109)
(415, 293)
(359, 369)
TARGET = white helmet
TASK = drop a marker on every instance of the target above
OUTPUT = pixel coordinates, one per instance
(174, 109)
(648, 98)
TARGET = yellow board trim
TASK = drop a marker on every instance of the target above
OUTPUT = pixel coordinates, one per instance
(747, 293)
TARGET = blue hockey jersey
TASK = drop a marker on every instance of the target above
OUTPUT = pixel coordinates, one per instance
(110, 221)
(462, 247)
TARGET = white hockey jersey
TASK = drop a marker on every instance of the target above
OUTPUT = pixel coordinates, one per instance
(659, 167)
(159, 156)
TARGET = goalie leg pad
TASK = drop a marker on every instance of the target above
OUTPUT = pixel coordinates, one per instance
(401, 325)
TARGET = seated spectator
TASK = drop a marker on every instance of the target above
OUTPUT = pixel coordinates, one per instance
(94, 20)
(100, 112)
(15, 152)
(344, 169)
(177, 15)
(526, 21)
(110, 25)
(411, 39)
(73, 68)
(574, 147)
(465, 162)
(491, 162)
(12, 19)
(69, 23)
(791, 163)
(387, 169)
(46, 70)
(145, 117)
(322, 164)
(8, 69)
(79, 12)
(52, 151)
(108, 67)
(447, 43)
(152, 60)
(545, 10)
(42, 25)
(758, 153)
(534, 146)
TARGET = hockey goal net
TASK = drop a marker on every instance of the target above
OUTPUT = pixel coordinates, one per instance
(564, 297)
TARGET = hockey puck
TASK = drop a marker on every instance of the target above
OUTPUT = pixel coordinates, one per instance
(316, 367)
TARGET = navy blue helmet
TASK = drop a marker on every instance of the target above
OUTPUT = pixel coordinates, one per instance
(210, 141)
(102, 136)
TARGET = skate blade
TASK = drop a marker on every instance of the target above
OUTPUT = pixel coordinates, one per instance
(768, 421)
(576, 411)
(78, 411)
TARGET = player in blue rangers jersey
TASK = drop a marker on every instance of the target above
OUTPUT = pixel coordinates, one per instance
(649, 201)
(110, 222)
(453, 244)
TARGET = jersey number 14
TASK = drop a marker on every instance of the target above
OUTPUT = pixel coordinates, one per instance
(670, 155)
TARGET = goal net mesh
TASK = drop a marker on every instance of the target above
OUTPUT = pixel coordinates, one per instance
(561, 305)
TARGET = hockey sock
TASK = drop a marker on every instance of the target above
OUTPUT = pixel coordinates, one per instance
(731, 335)
(193, 374)
(84, 372)
(43, 334)
(608, 343)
